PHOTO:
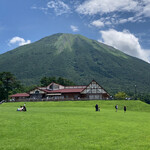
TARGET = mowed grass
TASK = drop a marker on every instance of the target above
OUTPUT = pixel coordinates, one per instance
(75, 125)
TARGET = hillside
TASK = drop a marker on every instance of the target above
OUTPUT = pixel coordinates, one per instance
(79, 59)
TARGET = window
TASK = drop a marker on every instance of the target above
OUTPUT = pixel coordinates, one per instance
(37, 92)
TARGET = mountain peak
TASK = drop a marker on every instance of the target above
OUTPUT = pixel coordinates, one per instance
(79, 59)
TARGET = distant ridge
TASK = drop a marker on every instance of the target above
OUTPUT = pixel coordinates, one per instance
(79, 59)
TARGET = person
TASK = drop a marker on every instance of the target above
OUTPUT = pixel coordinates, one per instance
(20, 109)
(96, 107)
(24, 107)
(116, 107)
(125, 108)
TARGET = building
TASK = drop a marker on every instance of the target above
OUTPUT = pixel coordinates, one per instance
(59, 92)
(19, 96)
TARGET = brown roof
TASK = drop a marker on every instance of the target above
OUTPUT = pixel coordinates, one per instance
(20, 95)
(74, 90)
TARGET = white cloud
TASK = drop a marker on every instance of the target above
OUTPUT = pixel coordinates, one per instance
(44, 9)
(130, 19)
(108, 23)
(59, 7)
(91, 7)
(98, 23)
(74, 28)
(111, 20)
(126, 42)
(139, 9)
(114, 20)
(123, 20)
(18, 40)
(146, 10)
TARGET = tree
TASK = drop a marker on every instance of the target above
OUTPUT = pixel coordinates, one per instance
(64, 81)
(45, 81)
(8, 84)
(121, 95)
(144, 97)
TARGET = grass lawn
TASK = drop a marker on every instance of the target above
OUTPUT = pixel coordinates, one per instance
(75, 126)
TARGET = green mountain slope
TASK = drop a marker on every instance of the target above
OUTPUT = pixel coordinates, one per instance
(79, 59)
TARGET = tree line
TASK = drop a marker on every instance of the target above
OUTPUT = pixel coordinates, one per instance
(45, 81)
(10, 85)
(145, 97)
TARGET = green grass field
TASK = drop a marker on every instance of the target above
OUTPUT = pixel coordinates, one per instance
(75, 126)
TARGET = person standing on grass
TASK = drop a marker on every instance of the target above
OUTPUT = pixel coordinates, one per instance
(116, 107)
(96, 107)
(125, 108)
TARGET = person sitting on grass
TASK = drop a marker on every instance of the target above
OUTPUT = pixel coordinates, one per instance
(22, 108)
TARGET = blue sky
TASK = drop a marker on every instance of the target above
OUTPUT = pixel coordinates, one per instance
(123, 24)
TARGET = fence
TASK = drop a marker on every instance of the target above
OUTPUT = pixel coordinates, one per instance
(45, 99)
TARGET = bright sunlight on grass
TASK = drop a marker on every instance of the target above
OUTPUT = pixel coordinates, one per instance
(75, 126)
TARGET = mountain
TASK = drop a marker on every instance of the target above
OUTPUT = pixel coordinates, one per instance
(79, 59)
